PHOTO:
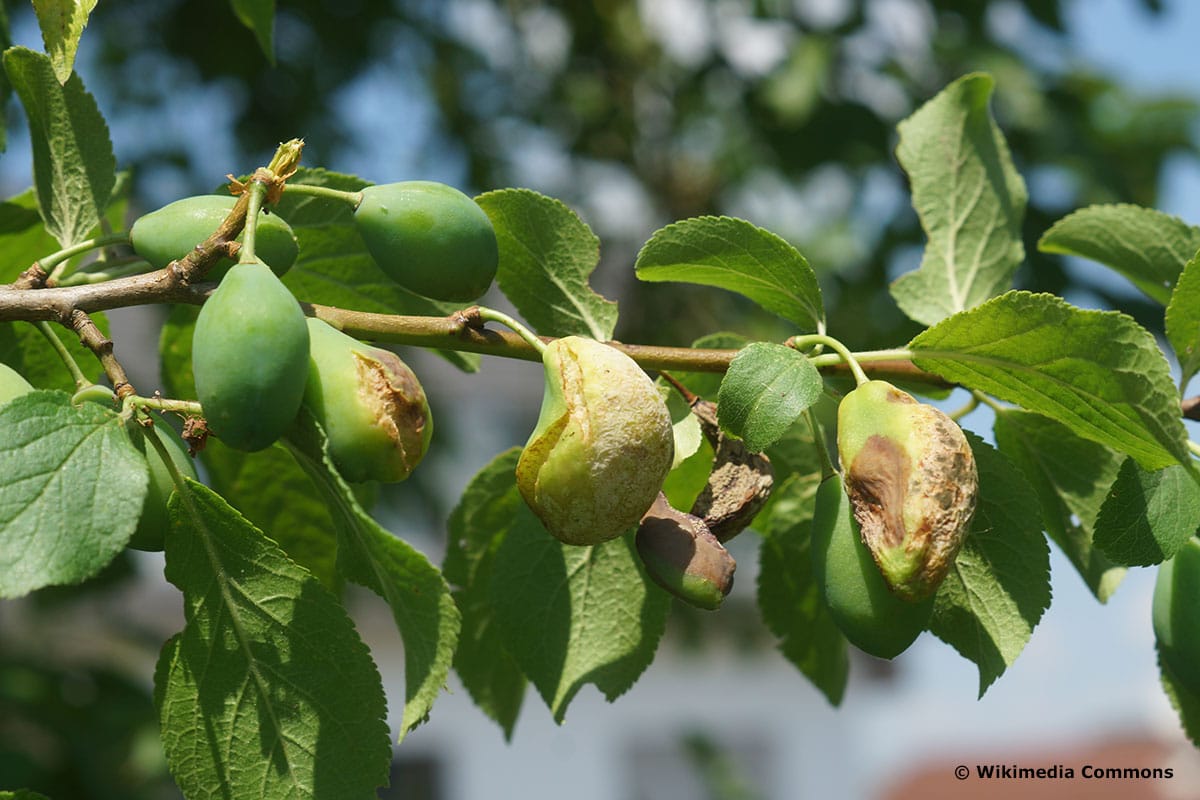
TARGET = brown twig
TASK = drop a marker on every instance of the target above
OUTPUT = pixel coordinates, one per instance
(95, 340)
(1191, 408)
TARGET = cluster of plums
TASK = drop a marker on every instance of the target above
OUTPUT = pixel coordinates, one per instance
(257, 359)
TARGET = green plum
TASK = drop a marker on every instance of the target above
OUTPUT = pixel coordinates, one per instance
(873, 618)
(1176, 613)
(171, 232)
(250, 358)
(370, 405)
(430, 238)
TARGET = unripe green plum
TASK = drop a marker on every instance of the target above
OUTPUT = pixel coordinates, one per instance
(912, 481)
(250, 358)
(430, 238)
(152, 525)
(683, 556)
(873, 618)
(12, 384)
(174, 230)
(602, 445)
(1176, 613)
(370, 404)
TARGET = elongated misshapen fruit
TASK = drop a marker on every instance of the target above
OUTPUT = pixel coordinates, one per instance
(370, 404)
(250, 358)
(683, 556)
(430, 238)
(911, 478)
(873, 618)
(171, 232)
(602, 445)
(1176, 614)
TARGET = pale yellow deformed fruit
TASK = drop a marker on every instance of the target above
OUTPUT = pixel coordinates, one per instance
(911, 479)
(602, 445)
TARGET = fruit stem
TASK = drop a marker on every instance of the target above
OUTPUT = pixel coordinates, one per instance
(971, 405)
(187, 407)
(800, 342)
(81, 381)
(349, 198)
(492, 315)
(256, 191)
(56, 262)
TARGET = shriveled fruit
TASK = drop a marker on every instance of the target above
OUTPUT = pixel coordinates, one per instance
(430, 238)
(912, 482)
(152, 525)
(683, 556)
(602, 445)
(250, 358)
(12, 384)
(740, 482)
(872, 617)
(370, 404)
(171, 232)
(1176, 614)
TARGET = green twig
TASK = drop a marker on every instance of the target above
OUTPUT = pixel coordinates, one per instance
(56, 262)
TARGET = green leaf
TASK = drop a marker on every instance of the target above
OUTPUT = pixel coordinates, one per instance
(23, 236)
(259, 17)
(1183, 320)
(1097, 372)
(1184, 700)
(1071, 477)
(71, 491)
(276, 496)
(477, 526)
(74, 169)
(969, 197)
(268, 692)
(733, 254)
(370, 556)
(766, 388)
(1148, 247)
(547, 254)
(334, 267)
(789, 597)
(22, 794)
(572, 615)
(62, 23)
(1148, 516)
(999, 586)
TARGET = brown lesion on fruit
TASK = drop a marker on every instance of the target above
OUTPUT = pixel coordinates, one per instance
(877, 484)
(390, 389)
